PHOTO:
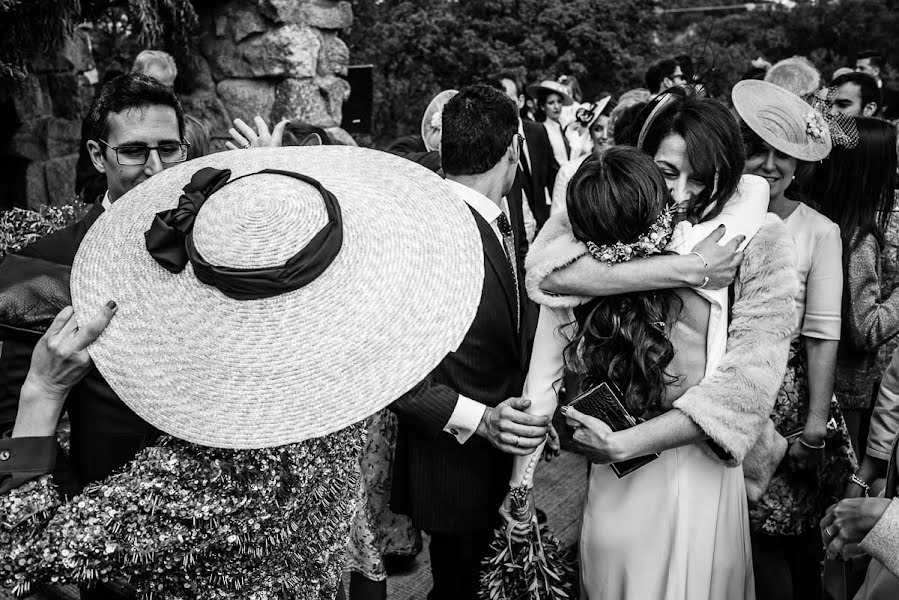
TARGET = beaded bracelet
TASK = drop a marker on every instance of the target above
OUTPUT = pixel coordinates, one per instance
(860, 483)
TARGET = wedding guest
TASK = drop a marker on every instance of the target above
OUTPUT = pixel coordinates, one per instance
(855, 94)
(664, 75)
(867, 174)
(654, 346)
(551, 96)
(239, 499)
(779, 136)
(588, 129)
(461, 425)
(538, 167)
(89, 182)
(696, 143)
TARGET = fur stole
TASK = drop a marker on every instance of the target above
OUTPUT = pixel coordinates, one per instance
(733, 404)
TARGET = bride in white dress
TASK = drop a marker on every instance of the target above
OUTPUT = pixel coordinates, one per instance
(677, 528)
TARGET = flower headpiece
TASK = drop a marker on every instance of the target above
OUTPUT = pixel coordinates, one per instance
(815, 125)
(651, 242)
(437, 120)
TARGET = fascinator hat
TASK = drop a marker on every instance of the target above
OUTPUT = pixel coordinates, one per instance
(432, 121)
(783, 120)
(588, 112)
(274, 295)
(552, 87)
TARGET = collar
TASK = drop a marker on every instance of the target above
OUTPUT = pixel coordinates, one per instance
(106, 203)
(487, 208)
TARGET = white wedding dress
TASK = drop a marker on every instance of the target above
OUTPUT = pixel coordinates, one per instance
(677, 528)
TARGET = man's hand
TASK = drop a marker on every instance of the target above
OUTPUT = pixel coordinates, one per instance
(245, 137)
(722, 261)
(59, 361)
(512, 430)
(847, 522)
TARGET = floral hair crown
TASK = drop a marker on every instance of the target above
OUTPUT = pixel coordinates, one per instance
(437, 120)
(651, 242)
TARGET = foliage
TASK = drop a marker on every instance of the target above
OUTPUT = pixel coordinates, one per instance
(419, 47)
(32, 28)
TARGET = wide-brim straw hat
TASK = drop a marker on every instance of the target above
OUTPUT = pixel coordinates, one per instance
(431, 131)
(195, 363)
(551, 86)
(782, 119)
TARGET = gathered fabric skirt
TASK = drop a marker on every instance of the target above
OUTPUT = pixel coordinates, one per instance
(675, 529)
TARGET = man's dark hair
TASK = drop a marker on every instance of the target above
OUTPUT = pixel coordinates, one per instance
(131, 90)
(497, 82)
(478, 125)
(658, 72)
(687, 65)
(873, 56)
(868, 85)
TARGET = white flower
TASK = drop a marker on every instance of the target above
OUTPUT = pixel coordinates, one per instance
(437, 120)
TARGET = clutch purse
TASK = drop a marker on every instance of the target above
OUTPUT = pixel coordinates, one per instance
(32, 292)
(603, 403)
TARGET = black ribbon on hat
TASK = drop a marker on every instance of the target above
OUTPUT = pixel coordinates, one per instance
(170, 242)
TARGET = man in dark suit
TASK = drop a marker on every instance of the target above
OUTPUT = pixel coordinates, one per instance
(538, 167)
(136, 128)
(460, 427)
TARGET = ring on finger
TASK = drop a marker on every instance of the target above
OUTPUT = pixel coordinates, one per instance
(517, 440)
(245, 146)
(829, 533)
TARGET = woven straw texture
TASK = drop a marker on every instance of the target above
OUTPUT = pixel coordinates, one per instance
(780, 118)
(401, 294)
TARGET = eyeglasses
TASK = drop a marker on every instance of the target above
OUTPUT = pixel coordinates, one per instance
(132, 156)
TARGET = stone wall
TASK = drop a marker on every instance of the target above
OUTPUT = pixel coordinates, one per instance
(274, 58)
(48, 107)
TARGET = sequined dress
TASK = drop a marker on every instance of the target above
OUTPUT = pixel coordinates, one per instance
(183, 521)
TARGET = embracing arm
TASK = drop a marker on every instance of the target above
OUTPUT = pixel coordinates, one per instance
(733, 403)
(558, 269)
(544, 377)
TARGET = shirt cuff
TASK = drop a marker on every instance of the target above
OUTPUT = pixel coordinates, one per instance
(25, 458)
(465, 419)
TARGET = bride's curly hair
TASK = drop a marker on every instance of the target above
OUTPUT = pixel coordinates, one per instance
(621, 339)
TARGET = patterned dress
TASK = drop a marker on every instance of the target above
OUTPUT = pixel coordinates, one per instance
(376, 530)
(796, 498)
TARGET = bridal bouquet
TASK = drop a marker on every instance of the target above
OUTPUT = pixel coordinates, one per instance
(534, 569)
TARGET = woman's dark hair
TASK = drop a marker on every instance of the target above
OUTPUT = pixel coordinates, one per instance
(714, 144)
(297, 133)
(621, 339)
(854, 188)
(543, 97)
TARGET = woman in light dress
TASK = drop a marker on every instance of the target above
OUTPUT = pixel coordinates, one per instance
(677, 528)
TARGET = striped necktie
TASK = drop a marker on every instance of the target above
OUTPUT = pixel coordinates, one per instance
(509, 243)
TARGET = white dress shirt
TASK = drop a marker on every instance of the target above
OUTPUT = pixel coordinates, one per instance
(468, 413)
(107, 203)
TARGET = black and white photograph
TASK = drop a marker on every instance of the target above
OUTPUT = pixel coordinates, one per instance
(449, 300)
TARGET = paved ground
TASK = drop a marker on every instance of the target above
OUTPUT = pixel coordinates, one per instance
(559, 490)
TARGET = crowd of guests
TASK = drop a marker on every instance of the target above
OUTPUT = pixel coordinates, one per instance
(729, 267)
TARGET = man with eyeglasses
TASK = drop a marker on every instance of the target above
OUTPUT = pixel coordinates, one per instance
(663, 75)
(136, 128)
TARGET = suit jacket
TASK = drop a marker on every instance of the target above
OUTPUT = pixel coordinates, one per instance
(106, 434)
(540, 177)
(443, 485)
